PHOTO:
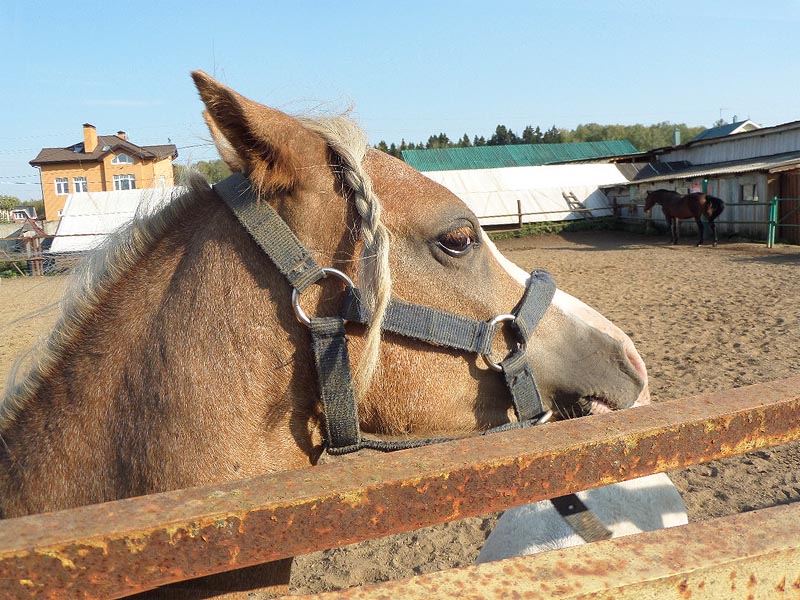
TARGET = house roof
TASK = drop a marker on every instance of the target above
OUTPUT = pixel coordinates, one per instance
(517, 155)
(105, 144)
(683, 170)
(727, 129)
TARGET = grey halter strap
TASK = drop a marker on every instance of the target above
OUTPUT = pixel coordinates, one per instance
(433, 326)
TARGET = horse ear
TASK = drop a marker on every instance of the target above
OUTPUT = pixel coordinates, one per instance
(224, 147)
(251, 138)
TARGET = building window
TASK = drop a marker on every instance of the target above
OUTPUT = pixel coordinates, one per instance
(748, 193)
(80, 184)
(62, 186)
(124, 182)
(122, 159)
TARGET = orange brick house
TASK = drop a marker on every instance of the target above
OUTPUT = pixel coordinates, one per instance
(101, 163)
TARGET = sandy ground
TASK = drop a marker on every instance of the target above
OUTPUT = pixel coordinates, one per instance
(29, 311)
(704, 319)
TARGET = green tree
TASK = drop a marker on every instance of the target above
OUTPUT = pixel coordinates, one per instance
(503, 136)
(464, 142)
(8, 202)
(213, 170)
(552, 136)
(438, 141)
(38, 205)
(531, 135)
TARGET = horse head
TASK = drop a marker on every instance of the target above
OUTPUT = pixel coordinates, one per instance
(396, 232)
(649, 202)
(178, 360)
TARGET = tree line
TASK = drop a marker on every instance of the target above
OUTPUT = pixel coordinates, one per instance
(643, 137)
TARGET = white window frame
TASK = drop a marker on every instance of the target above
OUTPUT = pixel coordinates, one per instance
(122, 159)
(125, 182)
(62, 186)
(79, 184)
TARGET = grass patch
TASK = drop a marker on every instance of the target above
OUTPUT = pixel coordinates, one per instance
(597, 224)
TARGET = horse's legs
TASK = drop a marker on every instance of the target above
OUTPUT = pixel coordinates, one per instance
(713, 227)
(699, 221)
(674, 228)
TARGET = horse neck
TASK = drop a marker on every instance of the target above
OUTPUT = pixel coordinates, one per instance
(192, 359)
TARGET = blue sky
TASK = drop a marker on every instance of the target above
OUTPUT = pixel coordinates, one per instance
(409, 69)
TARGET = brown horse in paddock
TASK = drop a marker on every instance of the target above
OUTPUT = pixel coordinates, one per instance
(178, 360)
(677, 206)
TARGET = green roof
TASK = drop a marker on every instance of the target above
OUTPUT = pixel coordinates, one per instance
(517, 155)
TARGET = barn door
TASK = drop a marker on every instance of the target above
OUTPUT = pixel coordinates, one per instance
(790, 211)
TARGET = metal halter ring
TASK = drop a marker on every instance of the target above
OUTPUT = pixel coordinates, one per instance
(298, 311)
(486, 357)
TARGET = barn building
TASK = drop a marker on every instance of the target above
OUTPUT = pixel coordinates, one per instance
(526, 183)
(746, 167)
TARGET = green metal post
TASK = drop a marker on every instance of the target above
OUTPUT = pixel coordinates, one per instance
(705, 186)
(773, 222)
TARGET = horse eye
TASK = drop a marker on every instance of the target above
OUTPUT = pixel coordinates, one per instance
(458, 241)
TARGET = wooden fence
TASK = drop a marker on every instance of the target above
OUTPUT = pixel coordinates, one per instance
(119, 548)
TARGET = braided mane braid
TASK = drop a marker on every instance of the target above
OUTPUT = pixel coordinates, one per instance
(349, 143)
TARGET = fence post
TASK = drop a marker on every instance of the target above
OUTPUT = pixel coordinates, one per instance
(773, 222)
(519, 213)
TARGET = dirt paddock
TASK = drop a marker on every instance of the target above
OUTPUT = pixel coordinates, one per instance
(704, 319)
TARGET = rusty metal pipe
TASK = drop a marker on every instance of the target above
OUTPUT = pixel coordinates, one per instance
(119, 548)
(747, 556)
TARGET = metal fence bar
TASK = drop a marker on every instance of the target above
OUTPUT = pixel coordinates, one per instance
(545, 212)
(110, 550)
(769, 222)
(773, 222)
(747, 556)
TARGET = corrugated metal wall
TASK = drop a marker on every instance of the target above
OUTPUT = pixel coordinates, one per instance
(737, 147)
(748, 219)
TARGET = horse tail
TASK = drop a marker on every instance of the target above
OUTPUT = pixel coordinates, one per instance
(717, 206)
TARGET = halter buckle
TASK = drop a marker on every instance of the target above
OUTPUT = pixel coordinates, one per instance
(298, 310)
(494, 366)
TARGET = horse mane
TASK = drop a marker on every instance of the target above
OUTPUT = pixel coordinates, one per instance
(105, 265)
(97, 273)
(349, 144)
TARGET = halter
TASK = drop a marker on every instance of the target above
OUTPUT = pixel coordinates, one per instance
(430, 325)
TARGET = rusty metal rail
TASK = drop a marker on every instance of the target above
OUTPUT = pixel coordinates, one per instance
(119, 548)
(747, 556)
